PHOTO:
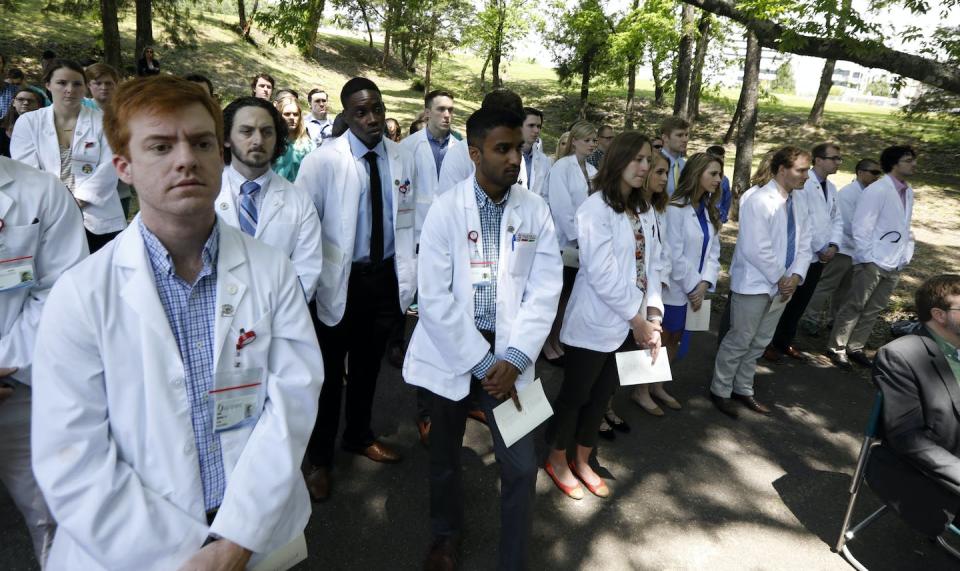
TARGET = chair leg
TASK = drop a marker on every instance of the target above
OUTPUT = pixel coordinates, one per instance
(849, 535)
(947, 547)
(845, 551)
(855, 482)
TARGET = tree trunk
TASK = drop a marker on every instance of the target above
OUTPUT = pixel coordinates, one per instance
(366, 22)
(696, 82)
(684, 61)
(497, 51)
(244, 26)
(748, 121)
(732, 129)
(483, 73)
(631, 94)
(111, 33)
(144, 26)
(658, 90)
(585, 84)
(428, 68)
(826, 82)
(313, 22)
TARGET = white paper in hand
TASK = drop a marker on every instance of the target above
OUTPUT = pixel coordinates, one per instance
(637, 368)
(284, 558)
(698, 320)
(515, 424)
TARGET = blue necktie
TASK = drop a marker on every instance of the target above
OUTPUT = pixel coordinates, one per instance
(791, 232)
(248, 207)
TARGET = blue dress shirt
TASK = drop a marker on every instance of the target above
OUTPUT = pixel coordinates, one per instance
(439, 148)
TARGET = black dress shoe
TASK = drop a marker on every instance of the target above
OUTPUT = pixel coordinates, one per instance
(725, 406)
(860, 358)
(442, 555)
(318, 484)
(608, 434)
(752, 403)
(839, 359)
(617, 423)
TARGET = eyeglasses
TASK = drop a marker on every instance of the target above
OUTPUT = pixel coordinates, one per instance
(837, 158)
(658, 147)
(24, 101)
(874, 172)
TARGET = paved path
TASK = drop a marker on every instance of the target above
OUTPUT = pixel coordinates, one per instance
(691, 490)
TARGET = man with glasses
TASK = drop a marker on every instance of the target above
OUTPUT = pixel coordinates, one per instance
(882, 247)
(835, 279)
(818, 200)
(319, 127)
(605, 136)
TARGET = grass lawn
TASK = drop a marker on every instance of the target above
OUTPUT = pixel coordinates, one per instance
(219, 53)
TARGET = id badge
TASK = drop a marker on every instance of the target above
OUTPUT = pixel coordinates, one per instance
(405, 218)
(481, 273)
(237, 398)
(16, 273)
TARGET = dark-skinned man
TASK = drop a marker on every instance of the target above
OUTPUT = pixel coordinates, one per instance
(489, 279)
(361, 185)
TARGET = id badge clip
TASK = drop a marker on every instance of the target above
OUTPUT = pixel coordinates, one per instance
(481, 271)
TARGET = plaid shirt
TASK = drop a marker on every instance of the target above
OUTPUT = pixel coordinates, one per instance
(191, 312)
(485, 298)
(7, 91)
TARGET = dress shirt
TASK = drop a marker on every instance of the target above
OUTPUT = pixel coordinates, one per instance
(901, 189)
(318, 129)
(361, 247)
(673, 174)
(236, 180)
(528, 162)
(595, 157)
(7, 91)
(951, 353)
(191, 312)
(438, 148)
(485, 298)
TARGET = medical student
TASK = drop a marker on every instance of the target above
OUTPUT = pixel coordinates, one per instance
(615, 306)
(319, 126)
(42, 236)
(457, 165)
(67, 139)
(176, 371)
(489, 280)
(363, 188)
(262, 86)
(883, 245)
(818, 198)
(674, 132)
(260, 202)
(567, 187)
(429, 146)
(536, 164)
(769, 262)
(835, 279)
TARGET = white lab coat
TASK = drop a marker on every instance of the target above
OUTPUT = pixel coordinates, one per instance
(56, 241)
(457, 166)
(686, 244)
(426, 179)
(881, 226)
(332, 179)
(663, 268)
(115, 453)
(605, 295)
(823, 215)
(446, 344)
(539, 172)
(847, 198)
(567, 189)
(759, 259)
(34, 142)
(287, 221)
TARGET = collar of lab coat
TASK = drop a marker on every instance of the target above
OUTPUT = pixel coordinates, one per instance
(511, 215)
(83, 128)
(140, 291)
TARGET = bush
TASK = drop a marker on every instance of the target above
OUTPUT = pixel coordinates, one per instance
(418, 85)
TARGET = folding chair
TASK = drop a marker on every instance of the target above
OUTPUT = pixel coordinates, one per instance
(871, 440)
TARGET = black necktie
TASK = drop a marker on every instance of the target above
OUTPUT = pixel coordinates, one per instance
(376, 209)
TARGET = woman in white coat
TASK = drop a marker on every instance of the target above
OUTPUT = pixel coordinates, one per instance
(615, 306)
(67, 139)
(568, 185)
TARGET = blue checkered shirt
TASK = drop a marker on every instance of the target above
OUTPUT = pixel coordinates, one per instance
(485, 298)
(7, 91)
(191, 312)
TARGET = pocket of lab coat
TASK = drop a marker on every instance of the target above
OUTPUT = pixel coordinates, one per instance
(521, 258)
(256, 353)
(283, 236)
(16, 241)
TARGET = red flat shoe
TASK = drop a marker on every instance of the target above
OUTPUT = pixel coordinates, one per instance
(601, 490)
(574, 492)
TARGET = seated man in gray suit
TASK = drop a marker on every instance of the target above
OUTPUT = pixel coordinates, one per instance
(919, 376)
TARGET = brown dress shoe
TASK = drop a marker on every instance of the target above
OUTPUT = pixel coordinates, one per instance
(318, 484)
(752, 403)
(773, 355)
(478, 415)
(378, 452)
(793, 353)
(423, 427)
(442, 555)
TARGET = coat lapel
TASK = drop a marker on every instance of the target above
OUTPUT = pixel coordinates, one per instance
(272, 202)
(230, 288)
(940, 364)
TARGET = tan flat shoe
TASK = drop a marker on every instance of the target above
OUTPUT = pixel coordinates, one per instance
(671, 402)
(655, 411)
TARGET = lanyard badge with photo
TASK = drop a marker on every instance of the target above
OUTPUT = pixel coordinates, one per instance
(16, 273)
(238, 394)
(481, 271)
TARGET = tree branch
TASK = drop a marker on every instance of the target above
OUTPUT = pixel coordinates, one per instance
(864, 52)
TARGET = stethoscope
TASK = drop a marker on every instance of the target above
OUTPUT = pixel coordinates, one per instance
(899, 235)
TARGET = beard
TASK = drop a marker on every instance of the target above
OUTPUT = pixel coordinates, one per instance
(249, 162)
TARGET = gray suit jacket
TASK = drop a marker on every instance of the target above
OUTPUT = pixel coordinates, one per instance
(921, 406)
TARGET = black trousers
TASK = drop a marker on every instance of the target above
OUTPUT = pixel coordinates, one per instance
(790, 319)
(589, 380)
(97, 241)
(518, 475)
(360, 338)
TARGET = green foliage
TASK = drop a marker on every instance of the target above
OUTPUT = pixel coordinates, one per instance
(287, 22)
(649, 33)
(500, 22)
(879, 88)
(784, 82)
(579, 40)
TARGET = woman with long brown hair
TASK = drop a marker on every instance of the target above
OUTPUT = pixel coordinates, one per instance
(299, 143)
(615, 306)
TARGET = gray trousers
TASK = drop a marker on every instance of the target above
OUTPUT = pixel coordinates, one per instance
(752, 326)
(833, 286)
(16, 472)
(870, 290)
